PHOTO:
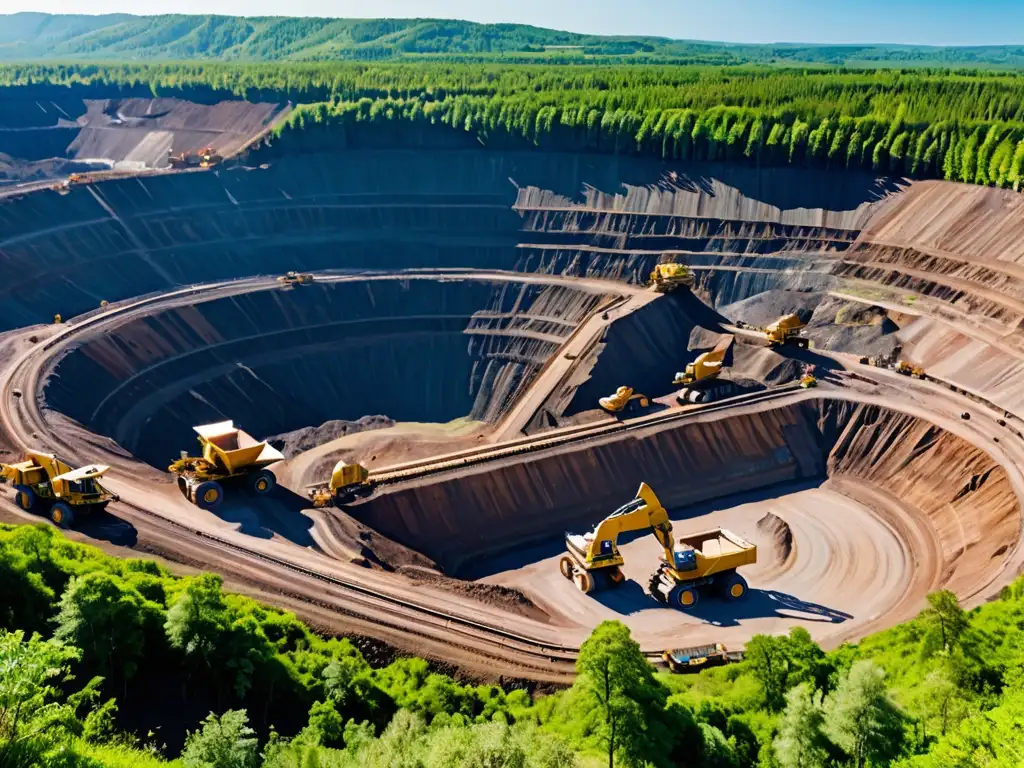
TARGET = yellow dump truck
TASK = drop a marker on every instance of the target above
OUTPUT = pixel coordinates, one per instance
(228, 454)
(667, 277)
(45, 484)
(702, 562)
(787, 330)
(348, 481)
(625, 400)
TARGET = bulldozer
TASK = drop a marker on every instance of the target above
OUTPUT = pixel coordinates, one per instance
(700, 382)
(289, 279)
(348, 481)
(667, 277)
(228, 454)
(787, 330)
(704, 561)
(625, 400)
(45, 484)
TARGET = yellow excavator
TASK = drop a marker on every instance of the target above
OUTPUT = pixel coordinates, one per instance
(700, 382)
(667, 277)
(625, 400)
(697, 562)
(44, 483)
(909, 369)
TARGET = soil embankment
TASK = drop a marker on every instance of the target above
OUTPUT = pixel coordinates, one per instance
(416, 350)
(961, 496)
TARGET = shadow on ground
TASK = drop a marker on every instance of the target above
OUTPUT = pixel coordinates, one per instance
(631, 598)
(280, 512)
(107, 527)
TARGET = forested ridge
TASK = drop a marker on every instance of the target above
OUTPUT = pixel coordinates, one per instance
(962, 126)
(25, 36)
(110, 662)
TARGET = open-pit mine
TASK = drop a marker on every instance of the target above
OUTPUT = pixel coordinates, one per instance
(455, 318)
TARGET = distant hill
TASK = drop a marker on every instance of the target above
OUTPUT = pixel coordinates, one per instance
(33, 36)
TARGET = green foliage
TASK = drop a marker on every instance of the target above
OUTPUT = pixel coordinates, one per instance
(801, 740)
(862, 719)
(226, 741)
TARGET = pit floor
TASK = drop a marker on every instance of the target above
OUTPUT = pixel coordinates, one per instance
(848, 566)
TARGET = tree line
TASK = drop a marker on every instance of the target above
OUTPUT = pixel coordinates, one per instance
(110, 662)
(965, 127)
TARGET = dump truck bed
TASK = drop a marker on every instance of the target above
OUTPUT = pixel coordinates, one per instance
(236, 450)
(720, 550)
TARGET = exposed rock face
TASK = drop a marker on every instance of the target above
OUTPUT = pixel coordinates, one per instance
(299, 440)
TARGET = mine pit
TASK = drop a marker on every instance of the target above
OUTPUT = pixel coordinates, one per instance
(466, 310)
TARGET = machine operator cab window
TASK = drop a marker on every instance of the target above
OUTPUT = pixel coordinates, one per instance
(84, 486)
(685, 558)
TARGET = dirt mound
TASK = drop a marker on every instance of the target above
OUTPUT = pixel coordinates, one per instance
(779, 538)
(304, 439)
(847, 326)
(769, 306)
(507, 598)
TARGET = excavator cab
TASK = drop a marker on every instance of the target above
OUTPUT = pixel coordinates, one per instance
(684, 558)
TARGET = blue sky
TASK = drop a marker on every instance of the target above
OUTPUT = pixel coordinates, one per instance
(930, 22)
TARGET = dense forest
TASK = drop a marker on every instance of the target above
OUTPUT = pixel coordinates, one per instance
(962, 126)
(109, 662)
(25, 36)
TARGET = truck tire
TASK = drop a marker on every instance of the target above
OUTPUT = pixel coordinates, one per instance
(614, 577)
(62, 515)
(684, 597)
(566, 567)
(734, 587)
(584, 582)
(208, 495)
(263, 482)
(25, 498)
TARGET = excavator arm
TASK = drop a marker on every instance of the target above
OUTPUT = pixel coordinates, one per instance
(600, 549)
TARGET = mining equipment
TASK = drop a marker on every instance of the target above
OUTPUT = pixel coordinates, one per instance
(667, 277)
(700, 382)
(228, 454)
(57, 319)
(289, 279)
(701, 562)
(809, 380)
(43, 483)
(187, 159)
(786, 331)
(909, 369)
(209, 158)
(348, 481)
(625, 400)
(698, 657)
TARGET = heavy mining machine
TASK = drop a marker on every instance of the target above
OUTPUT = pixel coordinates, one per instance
(809, 379)
(208, 158)
(289, 279)
(700, 382)
(228, 454)
(45, 484)
(699, 562)
(348, 481)
(667, 277)
(787, 330)
(909, 369)
(625, 400)
(187, 159)
(698, 657)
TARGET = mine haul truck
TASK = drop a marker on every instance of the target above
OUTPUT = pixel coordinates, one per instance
(700, 380)
(787, 330)
(698, 657)
(348, 481)
(228, 454)
(667, 277)
(45, 484)
(702, 562)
